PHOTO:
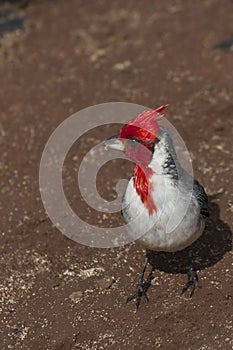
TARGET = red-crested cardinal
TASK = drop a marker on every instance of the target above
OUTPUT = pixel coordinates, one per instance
(150, 199)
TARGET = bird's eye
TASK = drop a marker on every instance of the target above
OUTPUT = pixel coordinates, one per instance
(133, 139)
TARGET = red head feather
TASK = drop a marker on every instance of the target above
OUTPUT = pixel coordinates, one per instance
(145, 128)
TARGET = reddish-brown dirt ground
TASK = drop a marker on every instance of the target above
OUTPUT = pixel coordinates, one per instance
(68, 55)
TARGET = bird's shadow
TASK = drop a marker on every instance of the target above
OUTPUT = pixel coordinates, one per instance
(215, 241)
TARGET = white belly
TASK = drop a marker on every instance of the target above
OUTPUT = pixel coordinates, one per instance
(176, 224)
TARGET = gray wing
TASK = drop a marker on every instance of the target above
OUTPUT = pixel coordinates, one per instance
(201, 197)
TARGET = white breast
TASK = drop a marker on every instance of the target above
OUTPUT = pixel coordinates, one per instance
(177, 222)
(162, 231)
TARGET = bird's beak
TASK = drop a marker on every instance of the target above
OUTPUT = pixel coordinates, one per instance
(115, 143)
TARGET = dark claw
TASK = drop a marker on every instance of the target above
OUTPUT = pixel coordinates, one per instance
(192, 282)
(141, 290)
(139, 293)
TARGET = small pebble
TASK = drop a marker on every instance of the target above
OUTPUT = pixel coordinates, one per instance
(76, 295)
(105, 283)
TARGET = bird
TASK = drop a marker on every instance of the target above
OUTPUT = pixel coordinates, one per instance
(150, 199)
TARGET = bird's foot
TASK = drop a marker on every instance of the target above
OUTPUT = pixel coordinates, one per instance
(141, 290)
(192, 282)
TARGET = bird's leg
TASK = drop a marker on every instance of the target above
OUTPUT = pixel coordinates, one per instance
(142, 287)
(192, 282)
